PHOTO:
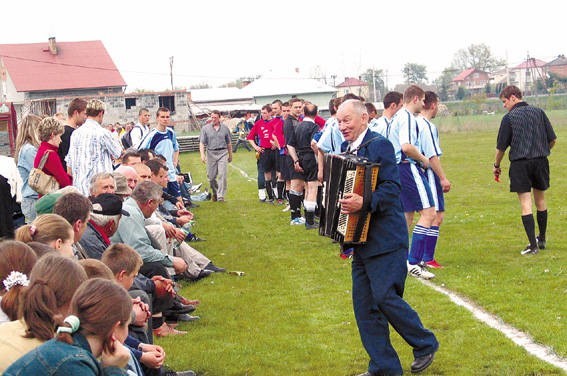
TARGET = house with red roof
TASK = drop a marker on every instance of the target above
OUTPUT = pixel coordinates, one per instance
(37, 76)
(42, 78)
(472, 79)
(354, 86)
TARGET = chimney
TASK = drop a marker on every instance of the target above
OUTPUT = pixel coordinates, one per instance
(52, 46)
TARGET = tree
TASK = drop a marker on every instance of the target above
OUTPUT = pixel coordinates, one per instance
(477, 56)
(375, 80)
(414, 73)
(461, 93)
(443, 82)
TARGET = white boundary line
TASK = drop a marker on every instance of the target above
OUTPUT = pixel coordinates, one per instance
(520, 338)
(242, 172)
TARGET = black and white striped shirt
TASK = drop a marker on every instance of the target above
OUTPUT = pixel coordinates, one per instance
(527, 131)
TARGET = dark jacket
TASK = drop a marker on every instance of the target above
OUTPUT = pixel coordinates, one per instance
(388, 229)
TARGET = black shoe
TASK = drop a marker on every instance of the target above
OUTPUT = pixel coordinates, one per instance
(540, 243)
(193, 238)
(422, 362)
(311, 226)
(529, 250)
(204, 273)
(166, 371)
(177, 309)
(214, 268)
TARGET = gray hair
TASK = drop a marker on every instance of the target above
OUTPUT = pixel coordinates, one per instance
(147, 190)
(357, 106)
(100, 176)
(101, 219)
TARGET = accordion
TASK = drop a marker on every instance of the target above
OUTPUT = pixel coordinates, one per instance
(346, 173)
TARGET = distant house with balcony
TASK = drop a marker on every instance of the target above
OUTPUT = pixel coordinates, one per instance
(473, 80)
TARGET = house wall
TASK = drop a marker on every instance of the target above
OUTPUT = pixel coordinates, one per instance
(115, 102)
(358, 90)
(9, 90)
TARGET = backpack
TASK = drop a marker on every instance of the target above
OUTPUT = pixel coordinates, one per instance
(126, 139)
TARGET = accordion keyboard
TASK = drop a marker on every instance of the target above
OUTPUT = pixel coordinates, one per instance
(348, 188)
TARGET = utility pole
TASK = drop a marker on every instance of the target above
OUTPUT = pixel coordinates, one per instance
(374, 84)
(171, 71)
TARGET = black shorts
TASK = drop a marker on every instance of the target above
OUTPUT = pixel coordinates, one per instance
(308, 161)
(286, 167)
(268, 160)
(280, 160)
(526, 174)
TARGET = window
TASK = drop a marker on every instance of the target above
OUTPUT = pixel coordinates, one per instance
(167, 101)
(130, 102)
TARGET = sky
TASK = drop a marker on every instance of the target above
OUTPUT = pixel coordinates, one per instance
(216, 42)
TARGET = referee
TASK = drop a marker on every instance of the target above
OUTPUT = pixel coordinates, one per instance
(530, 136)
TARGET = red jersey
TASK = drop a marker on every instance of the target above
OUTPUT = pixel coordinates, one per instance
(262, 129)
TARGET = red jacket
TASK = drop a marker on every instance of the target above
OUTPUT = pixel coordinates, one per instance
(53, 165)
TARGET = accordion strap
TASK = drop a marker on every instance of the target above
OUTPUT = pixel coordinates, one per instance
(366, 199)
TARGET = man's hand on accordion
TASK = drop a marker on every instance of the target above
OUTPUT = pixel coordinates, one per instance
(351, 203)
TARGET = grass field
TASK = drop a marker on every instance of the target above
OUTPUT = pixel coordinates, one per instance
(291, 313)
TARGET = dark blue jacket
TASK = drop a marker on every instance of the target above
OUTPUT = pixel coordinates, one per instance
(388, 230)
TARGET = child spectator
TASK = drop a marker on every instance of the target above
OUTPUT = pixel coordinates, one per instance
(16, 262)
(48, 294)
(96, 328)
(50, 229)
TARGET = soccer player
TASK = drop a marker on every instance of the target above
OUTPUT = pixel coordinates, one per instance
(438, 182)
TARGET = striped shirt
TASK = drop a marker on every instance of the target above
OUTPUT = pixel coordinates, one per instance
(381, 125)
(403, 130)
(428, 138)
(91, 151)
(527, 131)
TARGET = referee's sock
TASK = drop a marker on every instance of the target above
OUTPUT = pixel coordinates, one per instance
(431, 243)
(542, 223)
(529, 227)
(418, 239)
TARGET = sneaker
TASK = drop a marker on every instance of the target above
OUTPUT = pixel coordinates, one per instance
(286, 209)
(311, 226)
(297, 221)
(195, 188)
(529, 251)
(433, 264)
(540, 243)
(419, 271)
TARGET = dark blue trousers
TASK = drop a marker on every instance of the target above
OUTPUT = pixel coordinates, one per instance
(378, 286)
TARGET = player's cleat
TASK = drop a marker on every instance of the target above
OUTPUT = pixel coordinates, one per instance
(433, 264)
(297, 221)
(529, 251)
(287, 207)
(311, 226)
(419, 271)
(540, 243)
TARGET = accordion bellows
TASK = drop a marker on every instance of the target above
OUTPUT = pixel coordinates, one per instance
(346, 173)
